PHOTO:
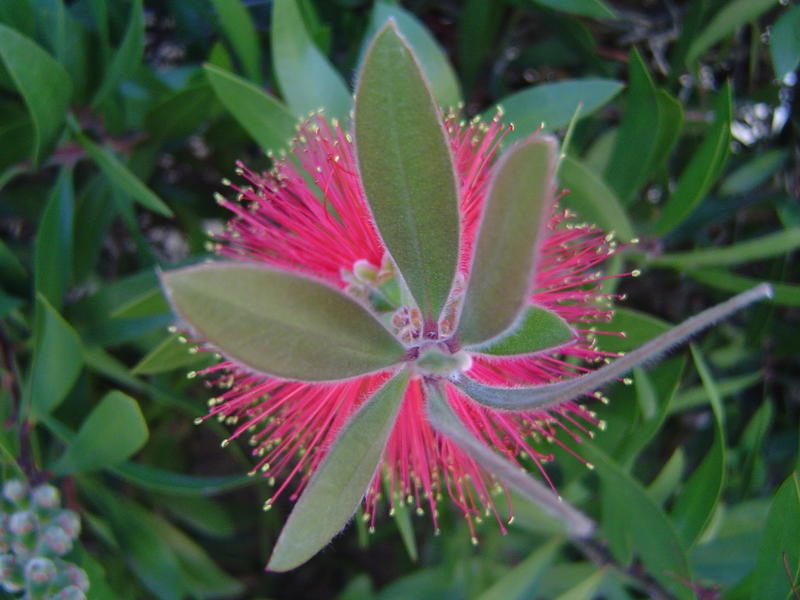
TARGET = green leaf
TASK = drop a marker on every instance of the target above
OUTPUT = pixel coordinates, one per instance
(703, 169)
(554, 104)
(204, 515)
(113, 431)
(407, 170)
(586, 589)
(787, 294)
(336, 489)
(538, 329)
(56, 358)
(728, 19)
(170, 482)
(121, 177)
(267, 121)
(668, 479)
(777, 573)
(596, 9)
(767, 246)
(637, 143)
(281, 323)
(432, 59)
(128, 56)
(592, 199)
(182, 112)
(53, 262)
(171, 354)
(697, 500)
(11, 270)
(521, 582)
(43, 83)
(241, 34)
(632, 520)
(515, 214)
(784, 42)
(306, 78)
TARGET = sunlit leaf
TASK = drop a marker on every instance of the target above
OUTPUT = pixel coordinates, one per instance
(407, 170)
(281, 323)
(340, 482)
(515, 214)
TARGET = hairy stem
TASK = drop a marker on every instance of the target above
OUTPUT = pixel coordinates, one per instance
(546, 396)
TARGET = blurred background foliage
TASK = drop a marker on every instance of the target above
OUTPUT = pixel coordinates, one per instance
(118, 121)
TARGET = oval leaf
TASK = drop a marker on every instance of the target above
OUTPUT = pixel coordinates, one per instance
(539, 329)
(43, 83)
(515, 214)
(307, 79)
(339, 485)
(112, 432)
(554, 104)
(266, 120)
(407, 170)
(280, 323)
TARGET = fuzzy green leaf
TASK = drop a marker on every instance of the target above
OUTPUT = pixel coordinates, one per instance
(112, 432)
(281, 323)
(43, 83)
(517, 207)
(538, 329)
(339, 485)
(307, 79)
(407, 170)
(266, 120)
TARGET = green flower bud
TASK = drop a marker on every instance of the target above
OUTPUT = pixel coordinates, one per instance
(46, 497)
(11, 578)
(23, 523)
(55, 541)
(16, 492)
(70, 522)
(40, 571)
(69, 593)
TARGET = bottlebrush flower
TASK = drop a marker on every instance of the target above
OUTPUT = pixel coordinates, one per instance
(407, 313)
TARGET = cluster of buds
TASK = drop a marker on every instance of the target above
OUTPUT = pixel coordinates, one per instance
(35, 535)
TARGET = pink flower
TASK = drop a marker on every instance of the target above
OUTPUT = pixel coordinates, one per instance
(325, 229)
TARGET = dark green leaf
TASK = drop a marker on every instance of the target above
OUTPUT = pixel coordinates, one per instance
(538, 329)
(407, 170)
(785, 293)
(204, 515)
(241, 34)
(586, 589)
(588, 8)
(784, 42)
(699, 497)
(281, 323)
(56, 359)
(703, 169)
(553, 104)
(113, 431)
(127, 57)
(53, 261)
(43, 83)
(728, 19)
(632, 520)
(171, 482)
(432, 59)
(754, 172)
(340, 482)
(592, 199)
(182, 112)
(121, 177)
(267, 121)
(506, 252)
(777, 572)
(306, 78)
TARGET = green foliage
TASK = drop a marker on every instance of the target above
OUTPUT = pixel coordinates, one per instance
(118, 121)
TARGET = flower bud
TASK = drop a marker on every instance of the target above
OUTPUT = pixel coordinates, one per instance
(40, 571)
(5, 534)
(55, 541)
(77, 577)
(11, 579)
(69, 593)
(46, 497)
(70, 522)
(16, 492)
(22, 523)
